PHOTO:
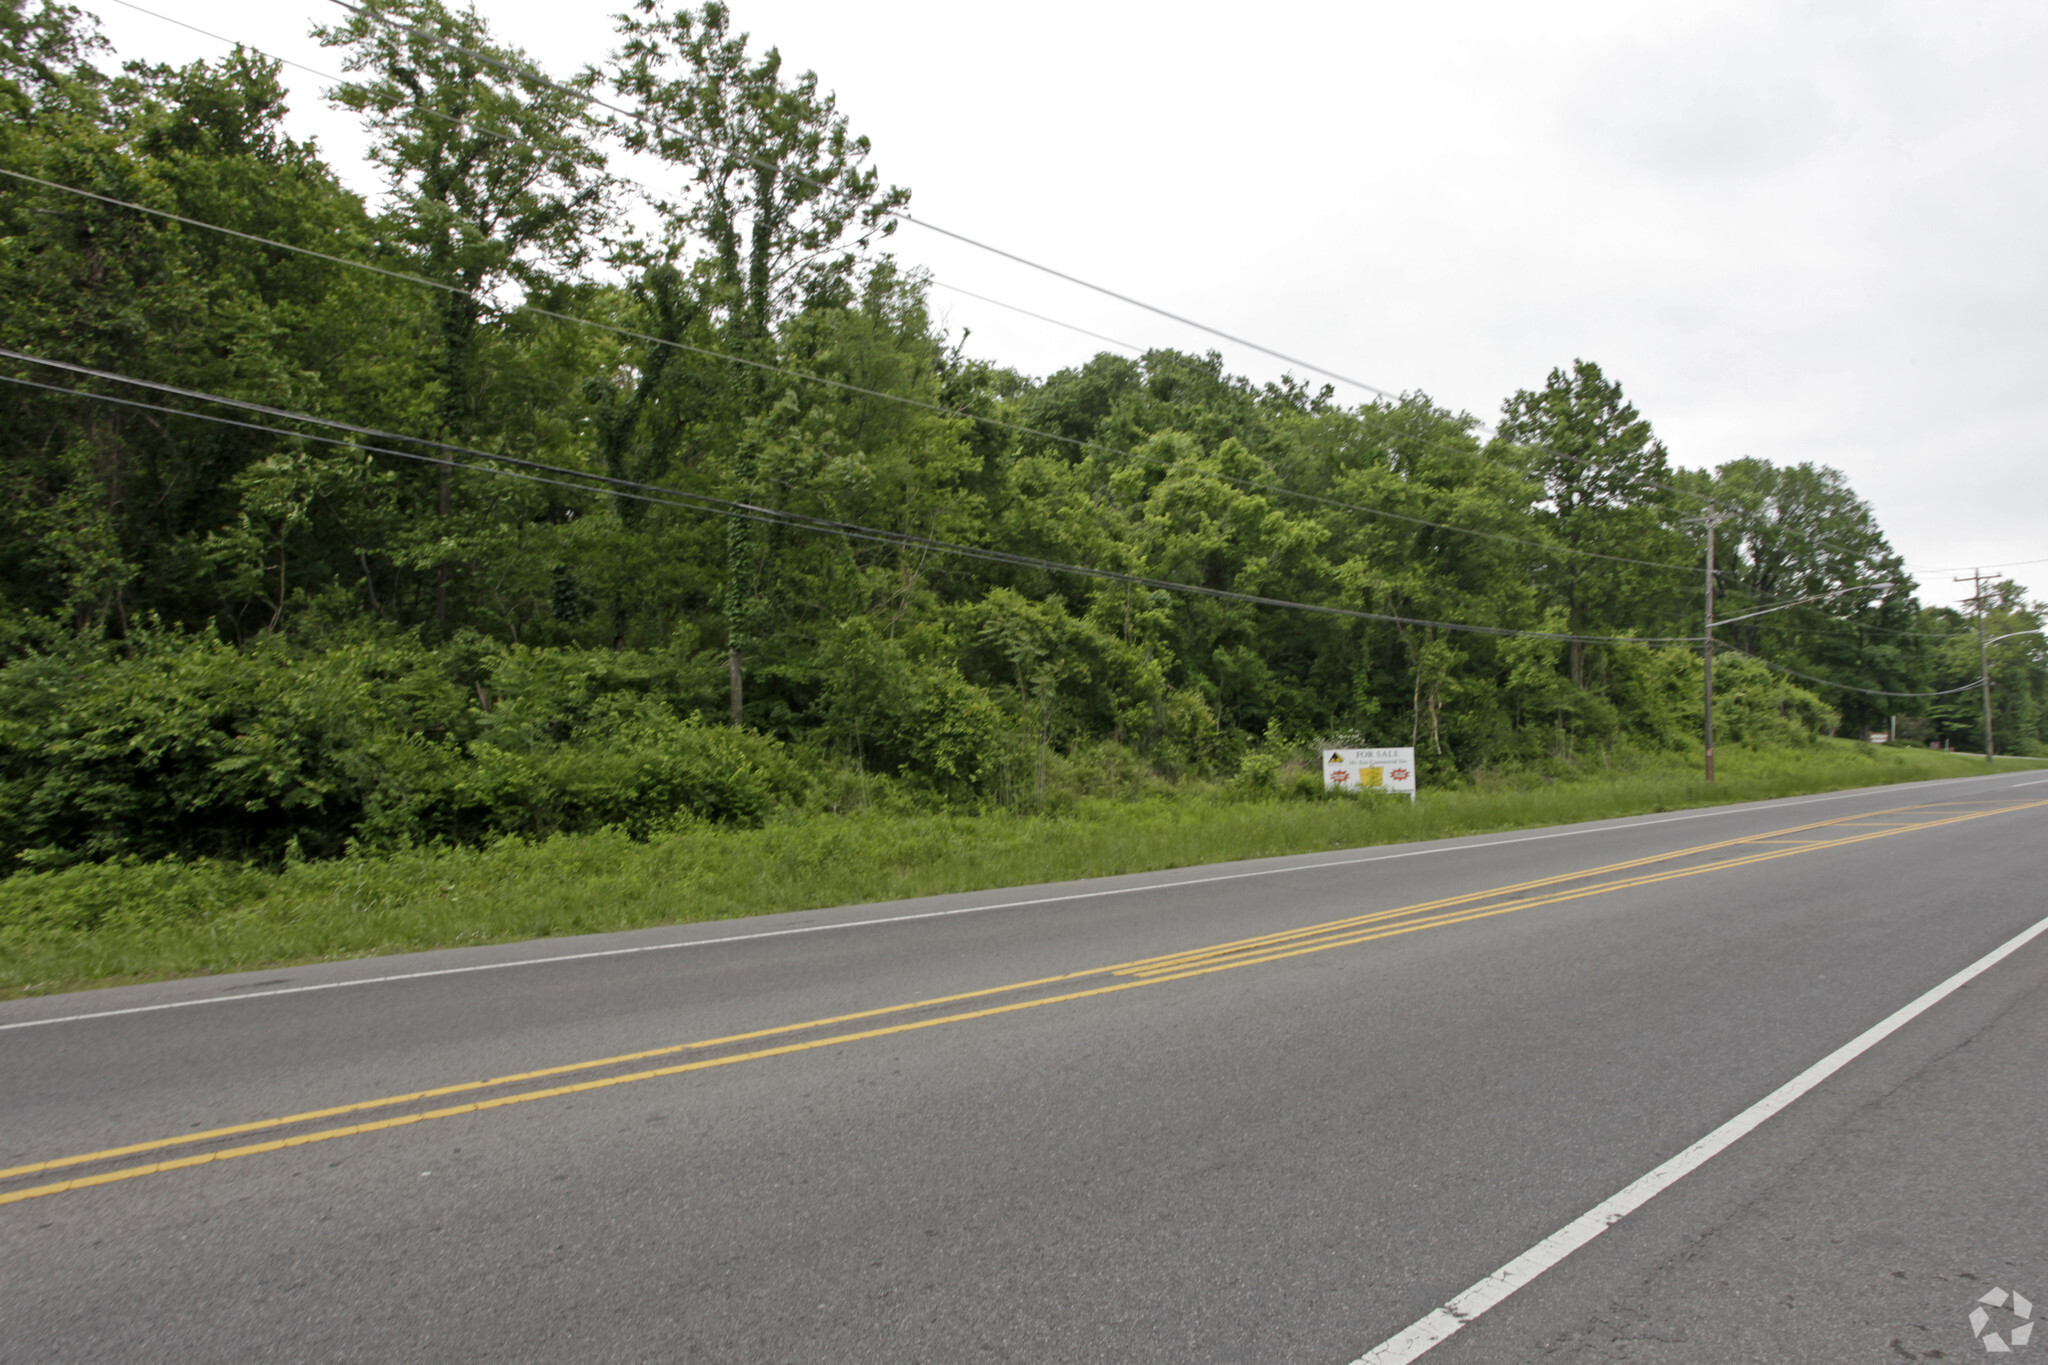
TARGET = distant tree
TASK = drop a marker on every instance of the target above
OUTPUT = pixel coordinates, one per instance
(2019, 671)
(1797, 532)
(1603, 472)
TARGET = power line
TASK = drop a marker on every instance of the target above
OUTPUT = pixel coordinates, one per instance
(1865, 625)
(607, 485)
(1377, 391)
(1848, 687)
(584, 96)
(584, 481)
(282, 61)
(531, 74)
(1427, 444)
(1072, 327)
(1893, 630)
(2008, 564)
(1018, 428)
(602, 483)
(503, 134)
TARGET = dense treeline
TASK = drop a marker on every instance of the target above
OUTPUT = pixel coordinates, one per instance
(258, 636)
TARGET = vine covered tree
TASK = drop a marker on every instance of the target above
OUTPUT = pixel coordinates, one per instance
(781, 199)
(496, 188)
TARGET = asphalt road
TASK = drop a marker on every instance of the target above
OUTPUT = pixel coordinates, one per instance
(1273, 1111)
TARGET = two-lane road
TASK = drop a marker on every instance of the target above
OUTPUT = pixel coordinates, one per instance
(1275, 1111)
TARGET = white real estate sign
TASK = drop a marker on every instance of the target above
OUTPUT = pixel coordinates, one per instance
(1370, 770)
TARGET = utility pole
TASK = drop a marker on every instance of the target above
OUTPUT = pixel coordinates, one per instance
(1710, 521)
(1976, 580)
(1708, 654)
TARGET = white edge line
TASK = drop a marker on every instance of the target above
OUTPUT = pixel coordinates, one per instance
(1440, 1323)
(934, 914)
(2035, 783)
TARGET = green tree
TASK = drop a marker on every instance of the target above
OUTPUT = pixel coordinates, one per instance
(2018, 665)
(1603, 472)
(779, 201)
(1799, 532)
(496, 186)
(110, 507)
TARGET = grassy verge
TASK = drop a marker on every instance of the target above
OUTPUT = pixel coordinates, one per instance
(107, 924)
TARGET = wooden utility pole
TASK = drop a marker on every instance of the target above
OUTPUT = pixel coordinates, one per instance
(1976, 580)
(1710, 521)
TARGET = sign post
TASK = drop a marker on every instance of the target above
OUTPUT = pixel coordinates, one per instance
(1370, 770)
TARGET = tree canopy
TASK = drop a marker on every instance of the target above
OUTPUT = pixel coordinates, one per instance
(317, 633)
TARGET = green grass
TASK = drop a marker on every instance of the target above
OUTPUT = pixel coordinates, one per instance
(94, 925)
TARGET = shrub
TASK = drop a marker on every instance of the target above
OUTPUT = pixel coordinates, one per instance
(190, 748)
(641, 779)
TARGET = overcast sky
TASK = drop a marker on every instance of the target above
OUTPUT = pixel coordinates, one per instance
(1796, 231)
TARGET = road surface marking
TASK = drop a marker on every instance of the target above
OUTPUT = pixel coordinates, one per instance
(1585, 892)
(1267, 949)
(1431, 1330)
(1144, 966)
(1166, 962)
(598, 953)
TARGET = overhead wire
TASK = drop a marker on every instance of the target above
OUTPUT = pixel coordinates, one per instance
(541, 79)
(602, 483)
(527, 305)
(1846, 687)
(236, 42)
(1132, 347)
(587, 482)
(1015, 427)
(503, 135)
(1894, 630)
(528, 73)
(534, 76)
(1958, 568)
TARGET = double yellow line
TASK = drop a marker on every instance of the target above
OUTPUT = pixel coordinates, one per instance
(1263, 948)
(1363, 928)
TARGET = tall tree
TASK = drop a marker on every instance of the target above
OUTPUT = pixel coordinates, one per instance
(495, 184)
(781, 197)
(1602, 468)
(116, 505)
(46, 59)
(780, 200)
(1797, 533)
